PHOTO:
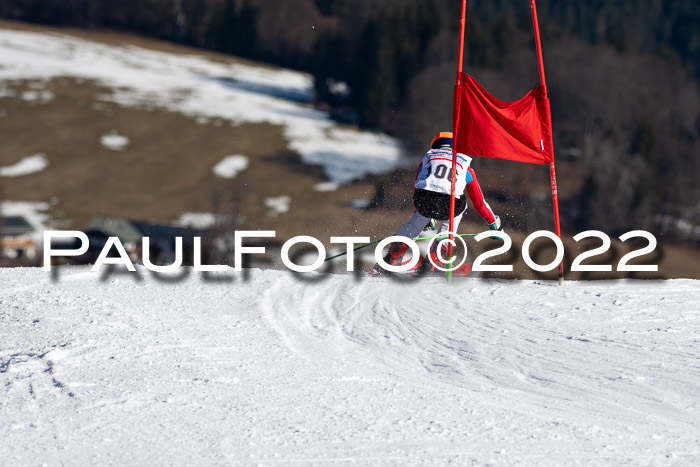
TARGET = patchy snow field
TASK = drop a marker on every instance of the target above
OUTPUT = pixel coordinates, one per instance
(34, 213)
(202, 89)
(272, 370)
(28, 165)
(230, 166)
(278, 204)
(114, 141)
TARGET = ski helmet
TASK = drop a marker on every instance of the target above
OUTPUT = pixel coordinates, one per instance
(444, 138)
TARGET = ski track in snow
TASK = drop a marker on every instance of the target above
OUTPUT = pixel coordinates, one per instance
(273, 370)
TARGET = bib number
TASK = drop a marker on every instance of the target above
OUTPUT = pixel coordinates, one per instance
(442, 172)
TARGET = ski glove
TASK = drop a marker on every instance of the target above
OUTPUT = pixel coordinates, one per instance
(496, 226)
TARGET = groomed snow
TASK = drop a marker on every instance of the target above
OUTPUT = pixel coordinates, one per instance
(271, 370)
(204, 90)
(230, 166)
(26, 166)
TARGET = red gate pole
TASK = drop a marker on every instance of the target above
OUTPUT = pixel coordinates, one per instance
(463, 14)
(552, 174)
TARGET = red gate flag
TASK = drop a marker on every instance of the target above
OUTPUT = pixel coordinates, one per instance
(487, 127)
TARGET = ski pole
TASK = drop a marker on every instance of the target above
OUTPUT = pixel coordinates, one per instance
(377, 241)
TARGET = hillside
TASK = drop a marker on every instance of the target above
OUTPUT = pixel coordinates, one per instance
(105, 124)
(270, 370)
(178, 114)
(623, 81)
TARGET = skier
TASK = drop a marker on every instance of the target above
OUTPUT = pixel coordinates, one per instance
(431, 201)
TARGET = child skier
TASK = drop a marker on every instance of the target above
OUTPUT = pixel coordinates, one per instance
(431, 200)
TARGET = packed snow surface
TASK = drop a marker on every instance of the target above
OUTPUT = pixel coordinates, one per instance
(203, 89)
(269, 369)
(230, 166)
(26, 166)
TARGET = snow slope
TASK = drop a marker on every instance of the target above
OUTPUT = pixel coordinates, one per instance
(271, 370)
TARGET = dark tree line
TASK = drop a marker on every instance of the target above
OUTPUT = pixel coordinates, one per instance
(378, 46)
(386, 38)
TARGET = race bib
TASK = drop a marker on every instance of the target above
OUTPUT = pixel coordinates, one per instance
(436, 172)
